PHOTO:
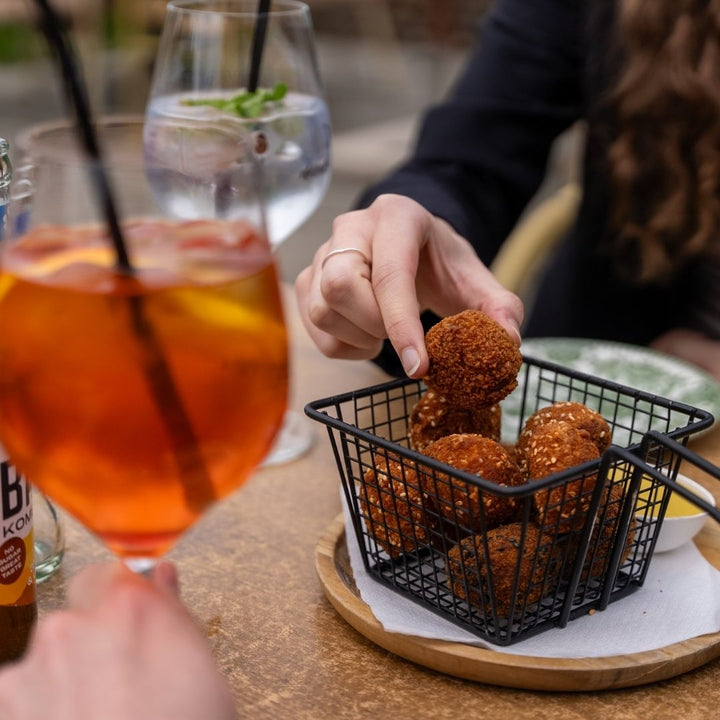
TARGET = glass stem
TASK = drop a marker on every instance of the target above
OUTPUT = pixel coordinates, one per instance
(141, 565)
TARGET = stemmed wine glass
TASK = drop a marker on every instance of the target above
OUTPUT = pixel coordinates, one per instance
(235, 91)
(136, 396)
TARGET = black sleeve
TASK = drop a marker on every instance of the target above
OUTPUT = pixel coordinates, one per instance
(481, 154)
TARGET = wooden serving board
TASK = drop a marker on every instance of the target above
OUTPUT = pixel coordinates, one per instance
(518, 671)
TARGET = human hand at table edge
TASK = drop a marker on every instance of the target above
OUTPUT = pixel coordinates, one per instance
(125, 648)
(397, 261)
(691, 346)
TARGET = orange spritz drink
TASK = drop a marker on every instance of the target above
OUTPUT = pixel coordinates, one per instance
(135, 401)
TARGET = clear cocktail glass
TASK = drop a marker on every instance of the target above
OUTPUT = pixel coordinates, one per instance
(235, 91)
(136, 399)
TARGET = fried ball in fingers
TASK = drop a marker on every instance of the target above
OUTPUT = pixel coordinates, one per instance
(473, 360)
(396, 514)
(473, 508)
(553, 447)
(574, 413)
(434, 417)
(516, 556)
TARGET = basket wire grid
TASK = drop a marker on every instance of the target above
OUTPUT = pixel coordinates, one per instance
(578, 539)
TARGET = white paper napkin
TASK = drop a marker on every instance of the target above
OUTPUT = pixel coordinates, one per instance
(679, 600)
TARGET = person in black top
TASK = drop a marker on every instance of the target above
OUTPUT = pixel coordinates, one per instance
(642, 261)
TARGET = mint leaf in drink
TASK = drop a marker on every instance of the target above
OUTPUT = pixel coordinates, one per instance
(245, 104)
(277, 93)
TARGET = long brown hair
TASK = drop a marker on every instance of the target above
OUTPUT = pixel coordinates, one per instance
(665, 159)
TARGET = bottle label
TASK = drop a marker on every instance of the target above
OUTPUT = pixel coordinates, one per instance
(17, 552)
(5, 176)
(2, 220)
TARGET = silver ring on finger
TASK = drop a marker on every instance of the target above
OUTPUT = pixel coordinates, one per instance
(339, 251)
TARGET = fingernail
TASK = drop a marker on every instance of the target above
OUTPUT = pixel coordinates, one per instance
(515, 335)
(410, 360)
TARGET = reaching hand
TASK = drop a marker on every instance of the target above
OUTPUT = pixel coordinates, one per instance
(397, 261)
(124, 649)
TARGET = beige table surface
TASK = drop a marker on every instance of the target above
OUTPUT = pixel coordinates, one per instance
(248, 574)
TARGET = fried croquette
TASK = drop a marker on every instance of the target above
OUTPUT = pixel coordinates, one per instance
(573, 413)
(511, 450)
(553, 447)
(604, 535)
(473, 360)
(511, 553)
(434, 417)
(395, 511)
(473, 508)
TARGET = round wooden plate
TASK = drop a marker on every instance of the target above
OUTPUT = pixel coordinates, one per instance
(518, 671)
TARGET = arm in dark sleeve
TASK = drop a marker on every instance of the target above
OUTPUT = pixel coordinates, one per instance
(482, 153)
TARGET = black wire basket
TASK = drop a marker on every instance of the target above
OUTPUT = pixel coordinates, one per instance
(578, 540)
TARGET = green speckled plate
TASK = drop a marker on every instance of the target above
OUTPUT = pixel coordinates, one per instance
(634, 366)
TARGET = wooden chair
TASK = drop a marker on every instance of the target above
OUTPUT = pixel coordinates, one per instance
(523, 255)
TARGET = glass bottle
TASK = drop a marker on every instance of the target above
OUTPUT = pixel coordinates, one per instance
(5, 177)
(18, 602)
(15, 207)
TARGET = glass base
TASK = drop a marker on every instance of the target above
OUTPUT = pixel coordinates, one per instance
(295, 438)
(47, 560)
(49, 537)
(141, 565)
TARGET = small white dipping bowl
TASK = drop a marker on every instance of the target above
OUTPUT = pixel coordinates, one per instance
(676, 531)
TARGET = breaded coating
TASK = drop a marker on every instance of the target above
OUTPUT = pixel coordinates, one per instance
(473, 360)
(434, 417)
(604, 535)
(511, 450)
(511, 552)
(392, 503)
(556, 446)
(463, 502)
(574, 413)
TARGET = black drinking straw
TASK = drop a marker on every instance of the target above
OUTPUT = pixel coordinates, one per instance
(223, 193)
(76, 92)
(258, 43)
(160, 380)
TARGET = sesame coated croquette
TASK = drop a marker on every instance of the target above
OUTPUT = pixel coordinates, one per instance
(518, 557)
(605, 534)
(473, 360)
(392, 503)
(473, 508)
(556, 446)
(574, 413)
(434, 417)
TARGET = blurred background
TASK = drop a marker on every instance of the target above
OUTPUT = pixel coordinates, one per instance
(382, 62)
